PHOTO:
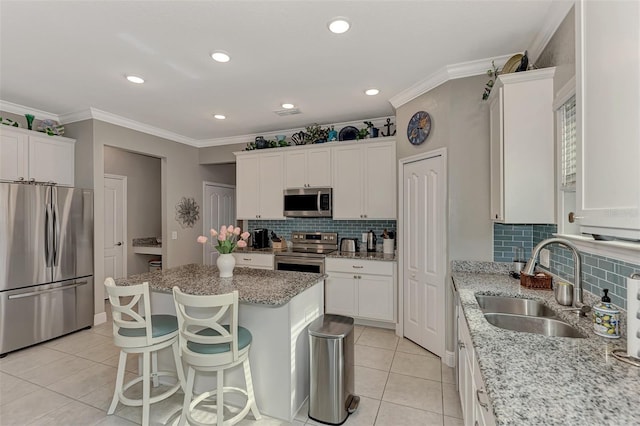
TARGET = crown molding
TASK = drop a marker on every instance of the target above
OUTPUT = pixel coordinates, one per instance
(558, 10)
(73, 117)
(444, 74)
(118, 120)
(22, 110)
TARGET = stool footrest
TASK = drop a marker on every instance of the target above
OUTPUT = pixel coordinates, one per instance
(206, 395)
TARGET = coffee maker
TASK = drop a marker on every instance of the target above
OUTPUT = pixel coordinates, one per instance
(260, 238)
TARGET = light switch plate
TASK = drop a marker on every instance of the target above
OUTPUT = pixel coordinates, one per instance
(174, 235)
(545, 256)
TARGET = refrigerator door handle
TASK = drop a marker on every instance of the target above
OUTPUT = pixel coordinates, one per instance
(47, 235)
(50, 290)
(56, 227)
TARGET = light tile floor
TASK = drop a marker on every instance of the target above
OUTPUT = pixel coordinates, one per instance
(69, 381)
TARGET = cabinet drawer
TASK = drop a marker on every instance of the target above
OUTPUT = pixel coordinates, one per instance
(254, 260)
(361, 266)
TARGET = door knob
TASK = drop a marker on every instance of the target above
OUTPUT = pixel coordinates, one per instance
(573, 217)
(119, 243)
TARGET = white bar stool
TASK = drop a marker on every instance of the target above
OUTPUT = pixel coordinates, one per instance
(141, 334)
(207, 345)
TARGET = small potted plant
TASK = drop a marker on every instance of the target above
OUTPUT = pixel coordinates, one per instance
(373, 131)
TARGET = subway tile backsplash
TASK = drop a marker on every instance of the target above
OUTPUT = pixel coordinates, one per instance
(344, 228)
(598, 272)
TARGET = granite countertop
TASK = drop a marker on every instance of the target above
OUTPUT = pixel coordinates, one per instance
(255, 286)
(363, 255)
(146, 242)
(537, 380)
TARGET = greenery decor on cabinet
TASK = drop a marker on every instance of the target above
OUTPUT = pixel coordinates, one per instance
(315, 133)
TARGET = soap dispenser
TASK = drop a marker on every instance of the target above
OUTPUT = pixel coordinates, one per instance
(606, 318)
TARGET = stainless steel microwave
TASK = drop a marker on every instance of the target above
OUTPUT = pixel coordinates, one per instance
(308, 202)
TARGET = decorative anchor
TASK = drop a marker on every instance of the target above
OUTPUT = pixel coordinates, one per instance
(388, 126)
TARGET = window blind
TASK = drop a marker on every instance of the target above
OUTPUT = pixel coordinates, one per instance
(568, 134)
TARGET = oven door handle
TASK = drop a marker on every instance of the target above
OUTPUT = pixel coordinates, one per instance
(298, 260)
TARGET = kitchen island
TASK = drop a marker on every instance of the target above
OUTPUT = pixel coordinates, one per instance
(276, 306)
(533, 379)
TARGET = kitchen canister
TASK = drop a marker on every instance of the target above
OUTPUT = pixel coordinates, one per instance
(606, 318)
(388, 245)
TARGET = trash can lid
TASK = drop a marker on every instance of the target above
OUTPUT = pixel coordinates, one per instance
(331, 326)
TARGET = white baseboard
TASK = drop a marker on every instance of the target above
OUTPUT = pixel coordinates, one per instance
(99, 318)
(450, 359)
(373, 323)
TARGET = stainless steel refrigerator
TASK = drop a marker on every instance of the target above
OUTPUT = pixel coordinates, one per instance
(46, 263)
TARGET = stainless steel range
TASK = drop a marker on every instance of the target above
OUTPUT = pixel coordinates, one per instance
(307, 252)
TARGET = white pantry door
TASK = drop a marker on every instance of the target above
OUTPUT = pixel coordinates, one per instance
(423, 260)
(219, 209)
(115, 226)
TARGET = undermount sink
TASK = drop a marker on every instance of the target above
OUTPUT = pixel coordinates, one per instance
(513, 305)
(538, 325)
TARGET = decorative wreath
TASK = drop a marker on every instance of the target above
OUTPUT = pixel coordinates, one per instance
(187, 212)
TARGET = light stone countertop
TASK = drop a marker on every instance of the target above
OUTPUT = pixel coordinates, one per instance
(146, 242)
(255, 286)
(537, 380)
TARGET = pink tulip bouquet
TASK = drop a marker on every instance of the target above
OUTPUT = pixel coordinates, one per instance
(227, 239)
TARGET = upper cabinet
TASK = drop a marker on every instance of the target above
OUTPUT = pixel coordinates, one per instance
(607, 121)
(259, 186)
(522, 153)
(308, 168)
(364, 180)
(29, 155)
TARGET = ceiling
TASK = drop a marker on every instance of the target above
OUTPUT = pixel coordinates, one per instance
(68, 56)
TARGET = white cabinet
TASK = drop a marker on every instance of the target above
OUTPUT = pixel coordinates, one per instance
(259, 186)
(522, 153)
(608, 108)
(364, 181)
(30, 155)
(476, 407)
(254, 260)
(360, 288)
(305, 168)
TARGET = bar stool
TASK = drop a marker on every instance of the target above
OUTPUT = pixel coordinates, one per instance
(206, 345)
(136, 334)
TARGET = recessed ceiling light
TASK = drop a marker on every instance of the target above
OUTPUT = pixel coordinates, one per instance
(220, 56)
(219, 116)
(371, 92)
(135, 79)
(288, 106)
(339, 25)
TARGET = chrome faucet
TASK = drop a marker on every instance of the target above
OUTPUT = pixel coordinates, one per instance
(577, 269)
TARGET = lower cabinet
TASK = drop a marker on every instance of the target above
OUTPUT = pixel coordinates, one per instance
(476, 407)
(360, 289)
(254, 260)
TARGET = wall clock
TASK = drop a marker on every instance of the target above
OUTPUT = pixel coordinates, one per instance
(419, 127)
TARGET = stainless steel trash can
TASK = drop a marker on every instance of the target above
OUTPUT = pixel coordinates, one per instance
(331, 396)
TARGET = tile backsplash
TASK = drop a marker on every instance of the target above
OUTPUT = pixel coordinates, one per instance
(598, 272)
(344, 228)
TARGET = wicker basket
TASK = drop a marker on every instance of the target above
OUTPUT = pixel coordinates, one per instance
(282, 244)
(540, 281)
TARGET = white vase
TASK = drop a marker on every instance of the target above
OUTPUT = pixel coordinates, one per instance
(226, 263)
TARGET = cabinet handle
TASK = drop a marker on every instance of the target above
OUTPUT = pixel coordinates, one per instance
(247, 259)
(460, 344)
(355, 277)
(358, 267)
(496, 216)
(482, 404)
(573, 217)
(476, 423)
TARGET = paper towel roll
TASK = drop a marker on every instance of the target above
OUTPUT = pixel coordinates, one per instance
(633, 316)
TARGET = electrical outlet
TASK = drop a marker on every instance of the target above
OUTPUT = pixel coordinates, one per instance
(545, 256)
(174, 235)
